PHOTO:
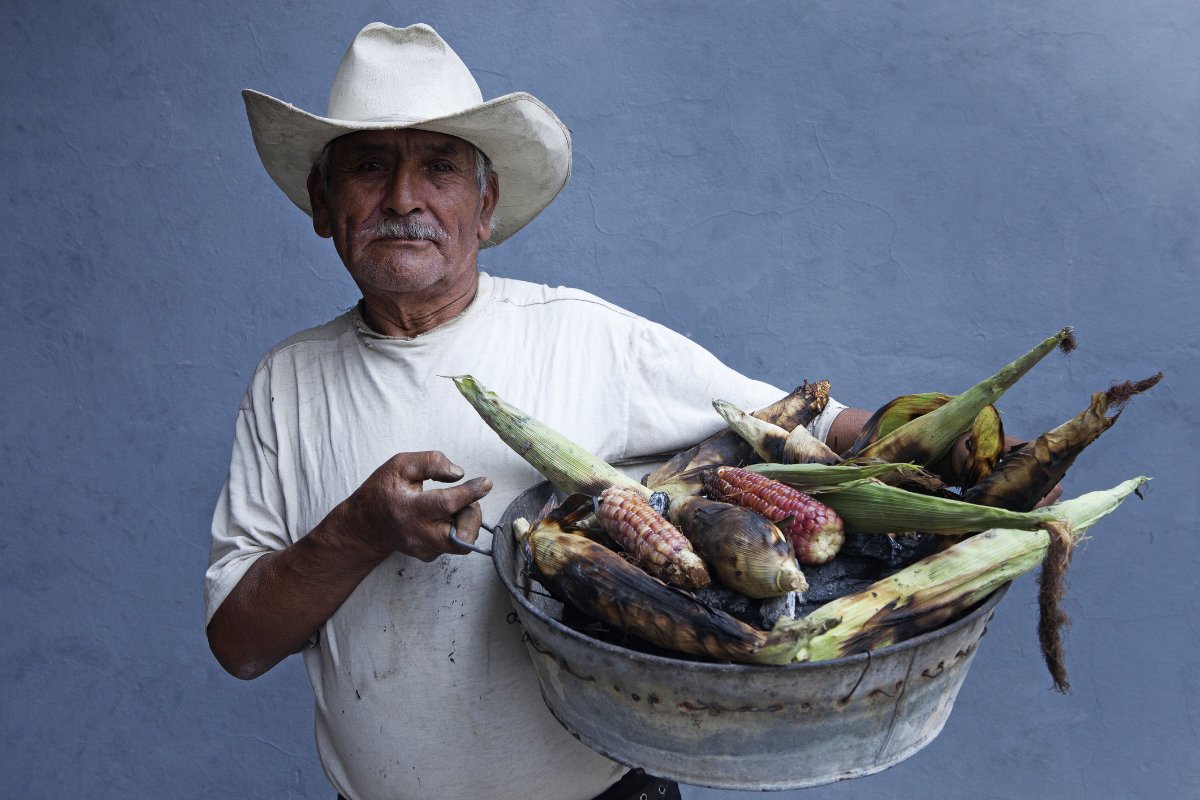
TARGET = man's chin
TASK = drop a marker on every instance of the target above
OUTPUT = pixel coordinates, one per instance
(399, 277)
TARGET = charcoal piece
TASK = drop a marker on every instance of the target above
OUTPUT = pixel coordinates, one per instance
(734, 603)
(891, 552)
(844, 575)
(772, 609)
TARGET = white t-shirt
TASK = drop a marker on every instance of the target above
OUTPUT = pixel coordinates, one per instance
(423, 687)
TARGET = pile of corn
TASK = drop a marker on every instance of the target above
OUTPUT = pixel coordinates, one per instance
(752, 508)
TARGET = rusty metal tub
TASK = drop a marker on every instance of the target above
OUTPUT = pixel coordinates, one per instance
(729, 726)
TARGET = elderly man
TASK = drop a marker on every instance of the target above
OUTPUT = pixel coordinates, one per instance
(326, 539)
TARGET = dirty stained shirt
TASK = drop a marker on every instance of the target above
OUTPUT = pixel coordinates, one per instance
(422, 685)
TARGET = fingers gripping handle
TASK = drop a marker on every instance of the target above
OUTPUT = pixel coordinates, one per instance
(468, 545)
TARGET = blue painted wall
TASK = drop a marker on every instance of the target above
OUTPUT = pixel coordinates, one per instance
(895, 196)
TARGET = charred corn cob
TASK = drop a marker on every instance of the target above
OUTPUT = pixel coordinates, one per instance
(605, 586)
(745, 551)
(815, 530)
(651, 541)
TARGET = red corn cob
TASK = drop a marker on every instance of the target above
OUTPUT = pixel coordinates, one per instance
(815, 529)
(651, 542)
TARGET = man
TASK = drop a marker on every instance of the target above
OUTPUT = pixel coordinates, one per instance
(326, 540)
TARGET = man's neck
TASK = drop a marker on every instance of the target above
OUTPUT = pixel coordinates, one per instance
(411, 315)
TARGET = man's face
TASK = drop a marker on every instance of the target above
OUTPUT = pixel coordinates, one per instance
(403, 208)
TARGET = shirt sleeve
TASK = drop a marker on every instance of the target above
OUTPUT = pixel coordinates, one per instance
(248, 521)
(672, 386)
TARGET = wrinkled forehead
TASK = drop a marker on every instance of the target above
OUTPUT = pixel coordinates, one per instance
(407, 140)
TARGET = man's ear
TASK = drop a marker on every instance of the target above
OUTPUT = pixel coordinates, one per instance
(491, 196)
(319, 202)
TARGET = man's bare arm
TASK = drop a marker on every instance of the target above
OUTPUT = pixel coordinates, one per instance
(844, 429)
(285, 596)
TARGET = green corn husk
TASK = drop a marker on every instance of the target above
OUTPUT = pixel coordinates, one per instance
(952, 580)
(813, 478)
(893, 414)
(987, 446)
(564, 463)
(929, 437)
(986, 441)
(869, 506)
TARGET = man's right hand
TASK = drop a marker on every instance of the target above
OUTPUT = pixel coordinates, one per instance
(287, 595)
(392, 511)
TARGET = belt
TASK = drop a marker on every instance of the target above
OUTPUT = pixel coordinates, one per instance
(635, 785)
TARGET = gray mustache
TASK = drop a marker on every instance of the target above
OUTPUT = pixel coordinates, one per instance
(395, 228)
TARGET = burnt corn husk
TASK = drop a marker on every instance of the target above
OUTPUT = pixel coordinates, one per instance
(745, 551)
(765, 438)
(796, 409)
(773, 443)
(603, 585)
(1027, 474)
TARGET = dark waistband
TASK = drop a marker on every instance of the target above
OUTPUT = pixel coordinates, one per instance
(635, 785)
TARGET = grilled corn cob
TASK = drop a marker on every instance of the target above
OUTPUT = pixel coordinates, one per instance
(605, 586)
(649, 539)
(815, 530)
(745, 551)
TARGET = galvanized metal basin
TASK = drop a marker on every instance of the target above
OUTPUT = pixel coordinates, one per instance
(732, 726)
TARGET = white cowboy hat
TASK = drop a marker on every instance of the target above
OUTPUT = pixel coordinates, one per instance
(410, 78)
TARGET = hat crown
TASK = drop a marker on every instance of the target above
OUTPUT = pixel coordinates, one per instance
(403, 74)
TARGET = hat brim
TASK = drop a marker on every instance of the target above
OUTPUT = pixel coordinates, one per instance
(529, 147)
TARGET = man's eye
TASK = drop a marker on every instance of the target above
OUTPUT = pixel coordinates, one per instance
(370, 166)
(442, 166)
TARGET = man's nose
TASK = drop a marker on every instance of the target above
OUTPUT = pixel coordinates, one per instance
(403, 195)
